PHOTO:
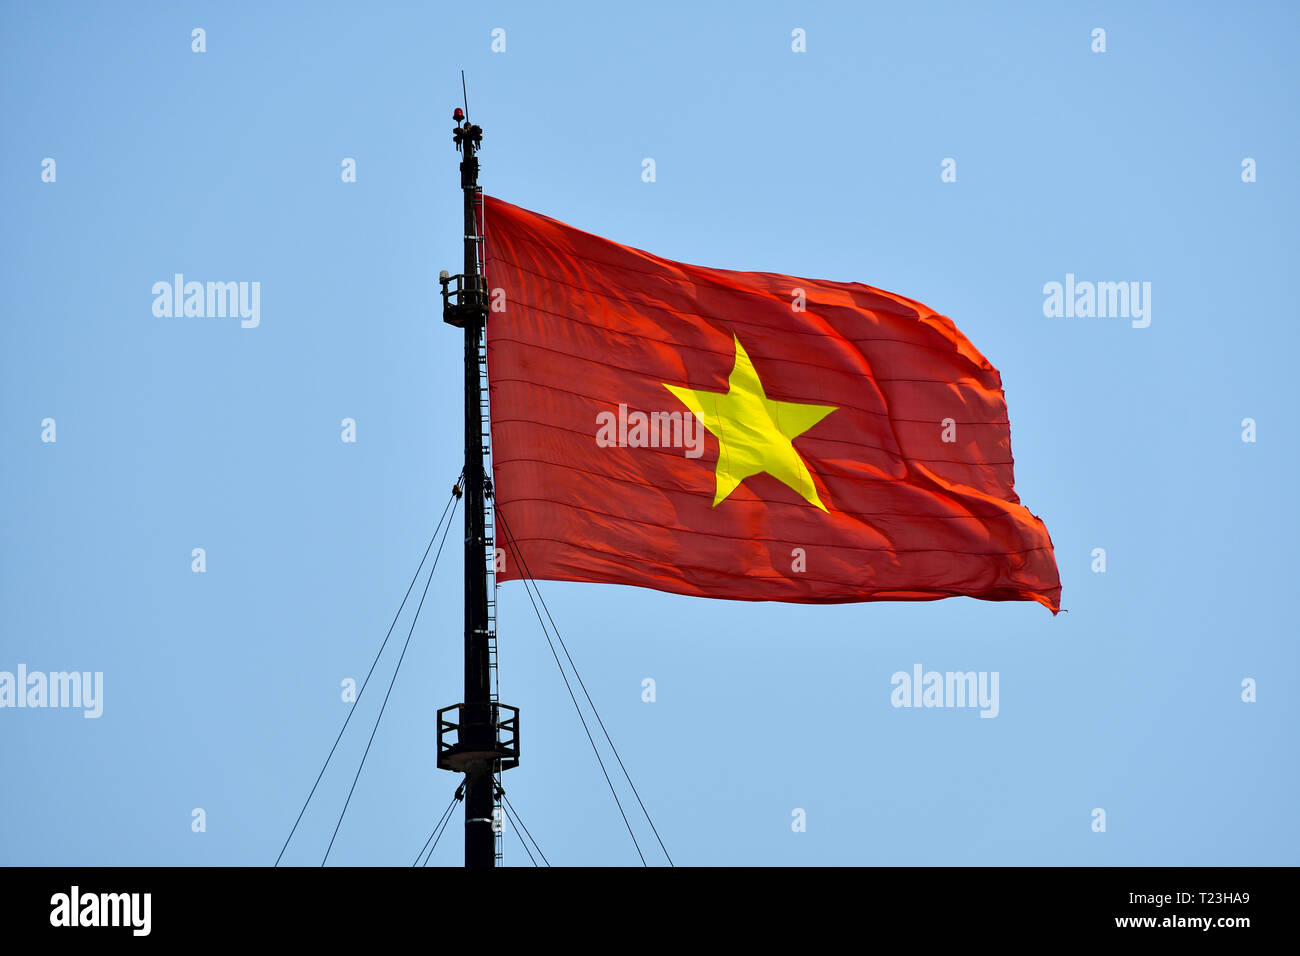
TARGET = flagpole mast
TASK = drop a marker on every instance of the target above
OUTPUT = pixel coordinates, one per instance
(485, 731)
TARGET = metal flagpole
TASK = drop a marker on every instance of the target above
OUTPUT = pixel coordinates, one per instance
(479, 736)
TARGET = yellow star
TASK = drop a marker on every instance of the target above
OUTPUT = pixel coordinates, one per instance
(755, 434)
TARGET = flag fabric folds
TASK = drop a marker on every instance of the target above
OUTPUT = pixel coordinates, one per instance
(742, 435)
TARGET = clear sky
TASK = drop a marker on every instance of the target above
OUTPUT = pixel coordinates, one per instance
(221, 690)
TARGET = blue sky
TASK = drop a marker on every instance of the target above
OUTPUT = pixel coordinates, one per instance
(222, 689)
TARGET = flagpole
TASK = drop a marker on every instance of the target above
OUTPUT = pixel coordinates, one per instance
(485, 732)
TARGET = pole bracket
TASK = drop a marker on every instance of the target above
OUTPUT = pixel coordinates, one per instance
(463, 298)
(490, 735)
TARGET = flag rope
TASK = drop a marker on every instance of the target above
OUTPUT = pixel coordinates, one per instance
(528, 580)
(565, 677)
(519, 822)
(440, 827)
(393, 681)
(364, 683)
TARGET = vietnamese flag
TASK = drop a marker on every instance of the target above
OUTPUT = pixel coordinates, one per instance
(742, 435)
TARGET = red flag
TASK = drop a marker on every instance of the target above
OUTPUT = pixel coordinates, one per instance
(742, 435)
